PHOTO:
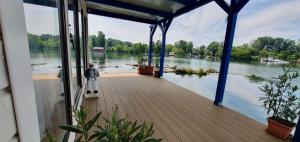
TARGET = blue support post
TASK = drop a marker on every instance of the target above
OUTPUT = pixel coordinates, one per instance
(297, 132)
(231, 23)
(162, 54)
(152, 31)
(164, 26)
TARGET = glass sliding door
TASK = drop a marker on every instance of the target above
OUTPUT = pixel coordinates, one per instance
(73, 46)
(43, 28)
(76, 40)
(81, 36)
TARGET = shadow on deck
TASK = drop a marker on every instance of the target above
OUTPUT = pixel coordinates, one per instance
(179, 115)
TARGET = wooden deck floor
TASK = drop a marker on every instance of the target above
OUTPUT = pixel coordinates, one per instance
(178, 114)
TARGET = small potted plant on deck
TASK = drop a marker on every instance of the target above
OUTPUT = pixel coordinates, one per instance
(280, 101)
(156, 70)
(144, 69)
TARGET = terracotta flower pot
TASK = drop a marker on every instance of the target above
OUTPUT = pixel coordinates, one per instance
(146, 70)
(156, 73)
(278, 130)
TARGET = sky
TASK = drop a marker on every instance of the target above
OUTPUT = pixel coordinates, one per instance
(277, 18)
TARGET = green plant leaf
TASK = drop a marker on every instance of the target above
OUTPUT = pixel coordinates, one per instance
(153, 140)
(91, 123)
(79, 139)
(71, 128)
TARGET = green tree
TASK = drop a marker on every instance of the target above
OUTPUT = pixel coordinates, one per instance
(92, 41)
(157, 47)
(187, 47)
(138, 48)
(202, 51)
(213, 48)
(169, 48)
(100, 39)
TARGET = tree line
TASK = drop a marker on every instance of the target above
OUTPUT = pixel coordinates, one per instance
(261, 47)
(43, 42)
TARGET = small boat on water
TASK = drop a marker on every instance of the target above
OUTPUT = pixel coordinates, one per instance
(273, 61)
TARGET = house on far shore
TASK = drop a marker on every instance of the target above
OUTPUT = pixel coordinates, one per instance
(171, 54)
(98, 49)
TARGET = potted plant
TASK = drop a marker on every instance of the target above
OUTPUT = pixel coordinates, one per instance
(156, 70)
(280, 101)
(114, 129)
(144, 69)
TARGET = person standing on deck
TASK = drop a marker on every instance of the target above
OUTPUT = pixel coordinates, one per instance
(91, 74)
(61, 82)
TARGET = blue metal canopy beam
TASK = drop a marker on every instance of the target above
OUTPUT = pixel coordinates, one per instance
(133, 7)
(239, 6)
(152, 31)
(185, 2)
(297, 132)
(42, 2)
(164, 26)
(120, 16)
(224, 5)
(231, 24)
(191, 7)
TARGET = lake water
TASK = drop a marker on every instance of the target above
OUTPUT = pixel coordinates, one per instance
(241, 94)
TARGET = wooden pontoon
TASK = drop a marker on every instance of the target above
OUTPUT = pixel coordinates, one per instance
(179, 115)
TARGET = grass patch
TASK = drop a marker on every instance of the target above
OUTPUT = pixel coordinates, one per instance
(256, 78)
(189, 71)
(210, 70)
(38, 64)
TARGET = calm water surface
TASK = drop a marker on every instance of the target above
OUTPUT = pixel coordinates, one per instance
(241, 94)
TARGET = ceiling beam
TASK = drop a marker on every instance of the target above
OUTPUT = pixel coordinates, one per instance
(224, 5)
(132, 7)
(191, 7)
(239, 6)
(185, 2)
(48, 3)
(120, 16)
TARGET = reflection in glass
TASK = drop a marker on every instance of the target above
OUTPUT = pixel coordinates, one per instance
(80, 19)
(45, 50)
(73, 52)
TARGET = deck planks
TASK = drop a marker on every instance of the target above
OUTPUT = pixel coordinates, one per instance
(179, 115)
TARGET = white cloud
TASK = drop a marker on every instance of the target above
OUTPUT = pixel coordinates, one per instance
(278, 18)
(41, 19)
(120, 29)
(281, 20)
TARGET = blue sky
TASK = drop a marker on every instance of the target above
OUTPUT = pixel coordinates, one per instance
(277, 18)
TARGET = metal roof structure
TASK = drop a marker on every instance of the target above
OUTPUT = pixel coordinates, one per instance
(144, 11)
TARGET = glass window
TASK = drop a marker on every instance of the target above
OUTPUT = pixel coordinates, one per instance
(81, 35)
(42, 24)
(74, 78)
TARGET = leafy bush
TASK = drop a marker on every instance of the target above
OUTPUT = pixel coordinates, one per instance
(115, 129)
(210, 70)
(201, 72)
(279, 98)
(83, 126)
(184, 71)
(256, 78)
(141, 61)
(157, 62)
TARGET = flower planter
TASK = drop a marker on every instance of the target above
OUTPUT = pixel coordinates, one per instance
(156, 73)
(146, 70)
(278, 130)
